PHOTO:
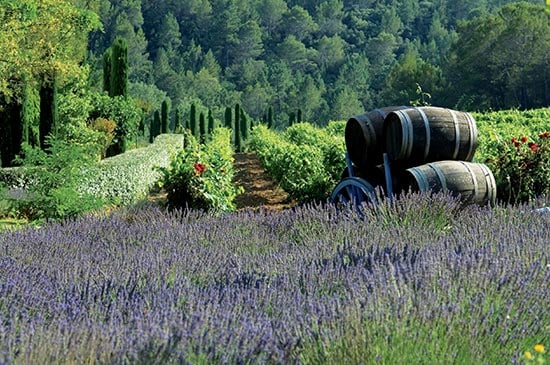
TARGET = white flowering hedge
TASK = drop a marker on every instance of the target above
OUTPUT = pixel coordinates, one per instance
(129, 177)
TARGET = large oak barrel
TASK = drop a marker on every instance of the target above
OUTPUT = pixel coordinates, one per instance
(424, 134)
(373, 174)
(473, 182)
(364, 139)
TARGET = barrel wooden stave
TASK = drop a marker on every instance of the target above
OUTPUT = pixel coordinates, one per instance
(473, 182)
(427, 134)
(364, 136)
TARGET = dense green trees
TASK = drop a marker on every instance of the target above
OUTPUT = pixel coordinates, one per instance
(327, 58)
(40, 42)
(503, 60)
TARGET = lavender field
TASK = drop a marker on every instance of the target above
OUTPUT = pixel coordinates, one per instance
(422, 282)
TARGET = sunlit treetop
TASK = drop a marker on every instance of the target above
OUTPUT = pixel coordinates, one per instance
(39, 38)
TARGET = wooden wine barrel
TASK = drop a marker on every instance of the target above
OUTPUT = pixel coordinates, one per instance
(424, 134)
(364, 139)
(473, 182)
(373, 174)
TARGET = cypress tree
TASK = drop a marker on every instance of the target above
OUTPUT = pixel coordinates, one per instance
(291, 119)
(245, 128)
(228, 118)
(187, 123)
(202, 128)
(141, 127)
(156, 124)
(107, 71)
(48, 110)
(152, 130)
(119, 68)
(178, 128)
(237, 129)
(11, 131)
(164, 113)
(211, 123)
(270, 117)
(193, 121)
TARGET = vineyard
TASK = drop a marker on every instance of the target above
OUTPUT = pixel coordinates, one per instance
(421, 279)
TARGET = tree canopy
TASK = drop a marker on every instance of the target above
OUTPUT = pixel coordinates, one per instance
(40, 38)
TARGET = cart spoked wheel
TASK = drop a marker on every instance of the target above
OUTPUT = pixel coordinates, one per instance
(353, 191)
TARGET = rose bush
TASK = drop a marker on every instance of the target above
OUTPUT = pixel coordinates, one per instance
(522, 168)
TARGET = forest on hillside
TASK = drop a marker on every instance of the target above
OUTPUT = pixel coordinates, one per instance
(331, 58)
(320, 59)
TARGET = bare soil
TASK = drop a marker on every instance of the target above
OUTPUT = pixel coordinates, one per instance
(260, 190)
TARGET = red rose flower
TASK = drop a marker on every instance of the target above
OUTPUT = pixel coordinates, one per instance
(523, 139)
(544, 135)
(199, 168)
(533, 146)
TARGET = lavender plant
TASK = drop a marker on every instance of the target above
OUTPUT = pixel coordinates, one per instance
(306, 286)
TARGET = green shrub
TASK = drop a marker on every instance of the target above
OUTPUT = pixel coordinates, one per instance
(127, 178)
(305, 160)
(68, 180)
(201, 176)
(504, 144)
(50, 190)
(522, 168)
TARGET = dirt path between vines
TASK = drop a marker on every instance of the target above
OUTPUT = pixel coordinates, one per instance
(259, 187)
